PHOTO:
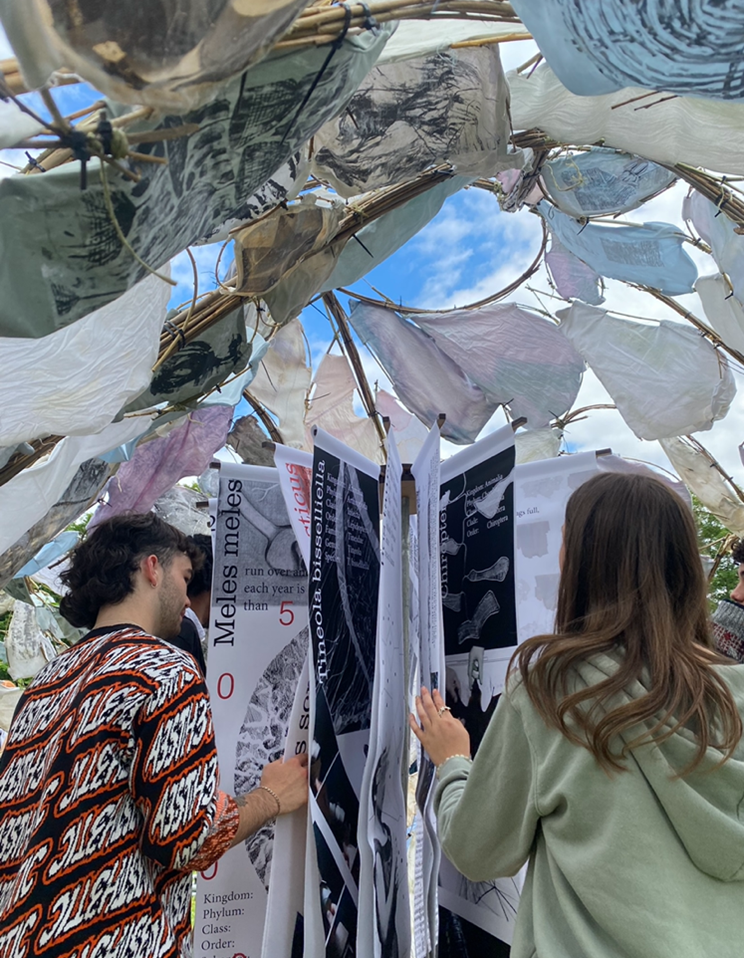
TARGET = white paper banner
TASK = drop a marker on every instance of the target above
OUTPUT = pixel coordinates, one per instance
(258, 643)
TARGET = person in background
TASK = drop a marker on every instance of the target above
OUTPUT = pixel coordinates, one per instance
(728, 619)
(196, 619)
(613, 765)
(109, 784)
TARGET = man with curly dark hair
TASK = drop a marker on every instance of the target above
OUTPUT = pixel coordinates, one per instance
(109, 794)
(728, 619)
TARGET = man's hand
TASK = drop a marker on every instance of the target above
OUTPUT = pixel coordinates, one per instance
(441, 735)
(288, 781)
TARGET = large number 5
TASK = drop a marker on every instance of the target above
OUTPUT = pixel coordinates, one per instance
(284, 611)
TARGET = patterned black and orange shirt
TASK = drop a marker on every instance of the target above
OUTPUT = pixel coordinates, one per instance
(109, 799)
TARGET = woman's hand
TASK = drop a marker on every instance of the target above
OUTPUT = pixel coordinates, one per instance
(441, 735)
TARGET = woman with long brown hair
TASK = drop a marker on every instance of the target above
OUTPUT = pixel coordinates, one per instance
(614, 762)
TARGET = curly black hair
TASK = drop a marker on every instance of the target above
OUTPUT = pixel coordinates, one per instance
(201, 581)
(737, 551)
(102, 567)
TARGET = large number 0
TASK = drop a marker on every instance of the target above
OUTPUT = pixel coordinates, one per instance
(285, 611)
(209, 873)
(225, 680)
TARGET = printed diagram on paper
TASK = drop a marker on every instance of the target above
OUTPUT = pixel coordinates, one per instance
(542, 490)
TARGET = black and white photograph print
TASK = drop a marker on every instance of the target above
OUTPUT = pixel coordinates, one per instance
(262, 736)
(477, 557)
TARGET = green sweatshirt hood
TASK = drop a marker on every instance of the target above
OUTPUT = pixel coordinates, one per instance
(706, 807)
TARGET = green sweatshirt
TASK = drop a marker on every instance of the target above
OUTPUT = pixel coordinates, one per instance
(635, 864)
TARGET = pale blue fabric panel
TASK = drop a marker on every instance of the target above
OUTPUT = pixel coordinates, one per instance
(651, 254)
(603, 181)
(695, 47)
(51, 551)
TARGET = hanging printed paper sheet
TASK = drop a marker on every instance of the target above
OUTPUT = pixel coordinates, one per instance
(430, 655)
(284, 931)
(258, 642)
(541, 491)
(384, 928)
(480, 634)
(344, 579)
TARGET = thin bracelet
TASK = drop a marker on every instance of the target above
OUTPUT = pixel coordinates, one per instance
(459, 755)
(274, 796)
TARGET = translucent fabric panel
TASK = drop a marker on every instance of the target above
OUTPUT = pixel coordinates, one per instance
(60, 254)
(159, 463)
(695, 48)
(517, 358)
(652, 254)
(573, 278)
(694, 469)
(332, 408)
(664, 378)
(721, 235)
(283, 381)
(74, 381)
(679, 130)
(602, 181)
(452, 107)
(724, 312)
(173, 55)
(426, 380)
(32, 493)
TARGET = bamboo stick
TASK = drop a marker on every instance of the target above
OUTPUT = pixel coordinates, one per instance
(336, 310)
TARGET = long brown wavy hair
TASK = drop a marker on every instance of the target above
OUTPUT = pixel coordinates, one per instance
(631, 583)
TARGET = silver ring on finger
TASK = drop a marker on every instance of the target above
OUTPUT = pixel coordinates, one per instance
(442, 710)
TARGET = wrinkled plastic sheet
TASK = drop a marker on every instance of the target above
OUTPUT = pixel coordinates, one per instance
(178, 506)
(573, 278)
(724, 312)
(332, 409)
(452, 107)
(679, 130)
(49, 553)
(410, 432)
(694, 48)
(517, 358)
(247, 438)
(27, 647)
(283, 381)
(602, 181)
(664, 378)
(694, 469)
(159, 463)
(651, 254)
(427, 380)
(227, 347)
(420, 38)
(60, 256)
(79, 495)
(15, 125)
(268, 250)
(76, 380)
(341, 264)
(282, 186)
(534, 444)
(720, 233)
(173, 55)
(32, 493)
